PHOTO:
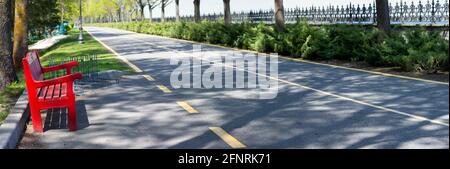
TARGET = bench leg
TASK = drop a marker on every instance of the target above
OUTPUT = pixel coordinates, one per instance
(36, 119)
(72, 113)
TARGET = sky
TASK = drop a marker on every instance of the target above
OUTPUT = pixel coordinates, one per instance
(211, 6)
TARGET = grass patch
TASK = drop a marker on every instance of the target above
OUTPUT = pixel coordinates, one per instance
(70, 47)
(9, 96)
(66, 48)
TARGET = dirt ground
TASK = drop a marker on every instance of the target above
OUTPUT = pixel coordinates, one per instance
(30, 139)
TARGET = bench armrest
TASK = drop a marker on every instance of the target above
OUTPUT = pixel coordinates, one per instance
(68, 66)
(62, 79)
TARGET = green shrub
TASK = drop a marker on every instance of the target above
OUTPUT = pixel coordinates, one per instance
(315, 45)
(232, 32)
(194, 32)
(412, 50)
(416, 50)
(346, 43)
(244, 41)
(264, 40)
(370, 49)
(298, 35)
(246, 36)
(282, 44)
(215, 32)
(177, 30)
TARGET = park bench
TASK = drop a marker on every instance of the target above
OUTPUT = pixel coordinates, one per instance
(49, 93)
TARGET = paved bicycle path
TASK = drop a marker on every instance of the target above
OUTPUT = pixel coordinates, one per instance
(316, 107)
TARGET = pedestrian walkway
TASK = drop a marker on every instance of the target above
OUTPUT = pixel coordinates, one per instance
(47, 43)
(128, 114)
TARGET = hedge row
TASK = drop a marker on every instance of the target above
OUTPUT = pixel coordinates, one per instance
(411, 49)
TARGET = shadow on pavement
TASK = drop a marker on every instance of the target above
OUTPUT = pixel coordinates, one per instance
(57, 118)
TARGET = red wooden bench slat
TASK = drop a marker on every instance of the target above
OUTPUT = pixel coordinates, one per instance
(38, 92)
(56, 93)
(49, 93)
(64, 90)
(42, 93)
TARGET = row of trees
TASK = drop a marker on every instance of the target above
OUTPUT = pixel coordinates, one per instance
(114, 9)
(124, 10)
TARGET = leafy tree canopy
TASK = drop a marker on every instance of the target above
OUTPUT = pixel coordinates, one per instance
(42, 15)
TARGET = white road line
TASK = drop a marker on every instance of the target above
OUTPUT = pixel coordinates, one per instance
(414, 117)
(134, 67)
(293, 59)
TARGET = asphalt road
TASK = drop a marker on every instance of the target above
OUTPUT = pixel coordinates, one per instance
(317, 106)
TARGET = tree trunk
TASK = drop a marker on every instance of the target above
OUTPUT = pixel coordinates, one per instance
(20, 32)
(150, 10)
(151, 14)
(227, 11)
(7, 73)
(13, 13)
(142, 13)
(119, 15)
(197, 17)
(62, 13)
(279, 15)
(383, 19)
(130, 16)
(163, 13)
(177, 10)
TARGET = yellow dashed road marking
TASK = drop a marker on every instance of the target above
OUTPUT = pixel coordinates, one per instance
(149, 78)
(227, 138)
(187, 107)
(413, 117)
(164, 89)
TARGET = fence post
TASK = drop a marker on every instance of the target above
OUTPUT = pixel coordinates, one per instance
(433, 12)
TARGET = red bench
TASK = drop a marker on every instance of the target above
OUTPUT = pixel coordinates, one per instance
(51, 93)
